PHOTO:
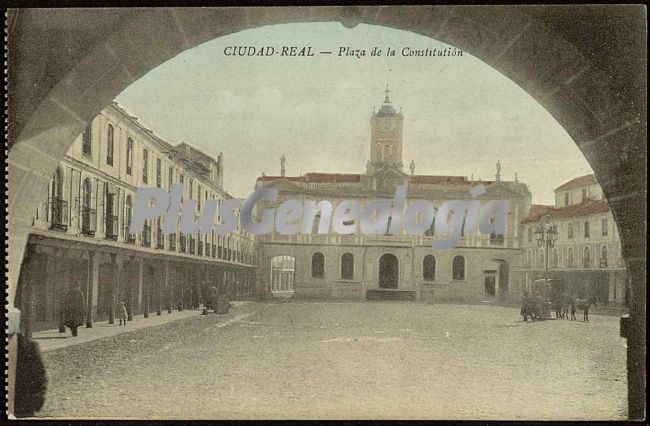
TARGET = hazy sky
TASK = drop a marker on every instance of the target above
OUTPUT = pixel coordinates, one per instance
(461, 115)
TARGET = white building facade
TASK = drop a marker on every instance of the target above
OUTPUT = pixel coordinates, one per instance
(80, 231)
(587, 253)
(399, 265)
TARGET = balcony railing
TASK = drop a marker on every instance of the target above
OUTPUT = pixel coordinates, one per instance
(129, 238)
(146, 236)
(88, 220)
(111, 227)
(160, 239)
(172, 242)
(58, 210)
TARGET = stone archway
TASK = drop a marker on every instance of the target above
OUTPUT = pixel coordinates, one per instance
(66, 65)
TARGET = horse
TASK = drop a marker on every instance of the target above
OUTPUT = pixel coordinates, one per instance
(583, 305)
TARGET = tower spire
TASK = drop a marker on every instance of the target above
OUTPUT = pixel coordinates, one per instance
(387, 91)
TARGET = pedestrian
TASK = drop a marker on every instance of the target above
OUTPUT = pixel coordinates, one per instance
(121, 313)
(526, 310)
(75, 308)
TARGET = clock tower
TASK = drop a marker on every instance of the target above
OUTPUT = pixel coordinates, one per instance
(385, 138)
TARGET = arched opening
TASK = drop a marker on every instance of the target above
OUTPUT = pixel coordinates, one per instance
(458, 268)
(429, 268)
(388, 271)
(282, 274)
(318, 265)
(347, 266)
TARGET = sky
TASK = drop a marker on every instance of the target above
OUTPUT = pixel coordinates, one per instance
(460, 114)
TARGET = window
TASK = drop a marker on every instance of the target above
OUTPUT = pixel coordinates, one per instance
(458, 268)
(587, 229)
(570, 231)
(145, 166)
(127, 219)
(586, 260)
(554, 261)
(429, 268)
(347, 266)
(432, 229)
(318, 265)
(87, 212)
(584, 194)
(603, 257)
(158, 172)
(541, 258)
(86, 141)
(605, 226)
(129, 156)
(198, 197)
(496, 239)
(170, 177)
(566, 198)
(569, 259)
(110, 145)
(191, 189)
(182, 181)
(530, 234)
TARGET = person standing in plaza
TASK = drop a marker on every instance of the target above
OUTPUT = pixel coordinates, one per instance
(122, 315)
(526, 306)
(74, 308)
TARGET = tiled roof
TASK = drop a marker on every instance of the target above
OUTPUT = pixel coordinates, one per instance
(438, 179)
(577, 210)
(578, 182)
(316, 178)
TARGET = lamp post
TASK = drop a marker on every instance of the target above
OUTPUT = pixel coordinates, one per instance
(546, 234)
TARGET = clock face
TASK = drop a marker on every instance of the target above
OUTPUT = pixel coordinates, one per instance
(387, 124)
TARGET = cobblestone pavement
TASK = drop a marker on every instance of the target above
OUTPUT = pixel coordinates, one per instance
(347, 360)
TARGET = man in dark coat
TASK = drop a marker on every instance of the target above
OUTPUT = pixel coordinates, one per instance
(75, 308)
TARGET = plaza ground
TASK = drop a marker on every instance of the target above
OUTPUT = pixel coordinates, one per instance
(313, 360)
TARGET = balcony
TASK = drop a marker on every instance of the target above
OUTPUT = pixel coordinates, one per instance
(58, 211)
(146, 236)
(496, 239)
(88, 221)
(128, 238)
(111, 227)
(160, 239)
(172, 242)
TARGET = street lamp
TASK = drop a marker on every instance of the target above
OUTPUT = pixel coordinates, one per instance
(546, 235)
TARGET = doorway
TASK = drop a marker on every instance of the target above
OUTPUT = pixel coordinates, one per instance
(388, 271)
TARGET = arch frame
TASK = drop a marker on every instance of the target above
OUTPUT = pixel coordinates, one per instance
(597, 94)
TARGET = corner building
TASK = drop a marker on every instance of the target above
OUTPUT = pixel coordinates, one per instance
(80, 230)
(587, 253)
(399, 266)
